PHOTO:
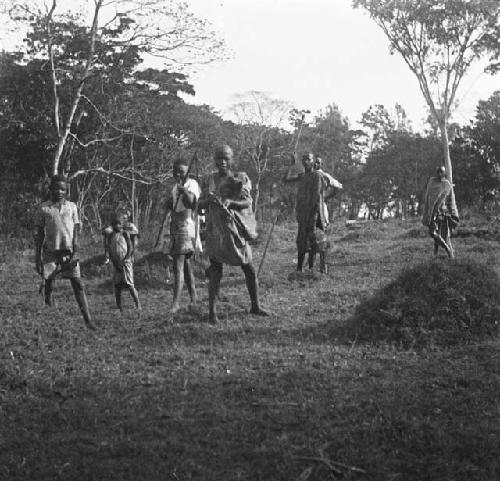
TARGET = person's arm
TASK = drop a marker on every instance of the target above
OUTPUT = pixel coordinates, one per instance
(76, 240)
(130, 247)
(188, 198)
(39, 236)
(245, 197)
(451, 207)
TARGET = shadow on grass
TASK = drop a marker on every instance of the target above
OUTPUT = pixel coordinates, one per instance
(263, 419)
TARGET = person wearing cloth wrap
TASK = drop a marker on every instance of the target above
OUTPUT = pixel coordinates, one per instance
(312, 224)
(230, 225)
(184, 237)
(57, 228)
(440, 211)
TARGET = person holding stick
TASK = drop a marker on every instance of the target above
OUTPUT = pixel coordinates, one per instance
(440, 211)
(311, 232)
(57, 229)
(184, 236)
(230, 226)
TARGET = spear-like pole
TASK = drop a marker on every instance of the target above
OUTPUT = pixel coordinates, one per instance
(279, 200)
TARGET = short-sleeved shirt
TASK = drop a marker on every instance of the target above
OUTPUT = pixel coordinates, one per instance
(58, 220)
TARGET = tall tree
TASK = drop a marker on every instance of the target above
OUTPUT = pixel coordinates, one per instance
(164, 29)
(260, 136)
(439, 40)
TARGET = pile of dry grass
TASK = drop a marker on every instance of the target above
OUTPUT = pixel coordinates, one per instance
(436, 303)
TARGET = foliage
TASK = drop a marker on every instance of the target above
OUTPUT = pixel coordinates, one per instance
(439, 40)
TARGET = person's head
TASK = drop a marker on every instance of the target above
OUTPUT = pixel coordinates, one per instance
(58, 187)
(117, 222)
(308, 161)
(441, 172)
(180, 169)
(318, 163)
(223, 158)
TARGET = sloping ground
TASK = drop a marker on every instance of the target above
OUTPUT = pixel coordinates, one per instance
(149, 397)
(438, 302)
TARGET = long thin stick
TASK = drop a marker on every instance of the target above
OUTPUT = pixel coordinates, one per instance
(267, 244)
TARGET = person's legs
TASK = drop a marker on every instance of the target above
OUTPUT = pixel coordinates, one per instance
(253, 289)
(323, 268)
(178, 281)
(445, 233)
(189, 278)
(49, 288)
(135, 296)
(311, 259)
(214, 274)
(118, 296)
(81, 299)
(300, 260)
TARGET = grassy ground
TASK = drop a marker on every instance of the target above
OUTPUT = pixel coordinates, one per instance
(287, 397)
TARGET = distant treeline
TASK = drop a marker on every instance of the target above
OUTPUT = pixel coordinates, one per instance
(130, 125)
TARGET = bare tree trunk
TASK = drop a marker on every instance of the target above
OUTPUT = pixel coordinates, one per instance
(132, 194)
(63, 136)
(443, 127)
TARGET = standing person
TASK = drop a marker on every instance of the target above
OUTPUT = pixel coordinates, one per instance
(184, 232)
(57, 229)
(121, 248)
(230, 224)
(127, 225)
(440, 211)
(331, 186)
(311, 233)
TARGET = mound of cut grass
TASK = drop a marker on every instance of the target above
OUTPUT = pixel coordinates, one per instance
(437, 303)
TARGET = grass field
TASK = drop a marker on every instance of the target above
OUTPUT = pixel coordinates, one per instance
(289, 397)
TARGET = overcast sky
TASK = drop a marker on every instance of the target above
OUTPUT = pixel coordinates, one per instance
(312, 53)
(315, 52)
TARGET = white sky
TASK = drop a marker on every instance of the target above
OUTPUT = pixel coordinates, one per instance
(315, 52)
(312, 53)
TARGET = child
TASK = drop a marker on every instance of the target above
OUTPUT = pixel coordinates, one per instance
(184, 236)
(57, 228)
(121, 247)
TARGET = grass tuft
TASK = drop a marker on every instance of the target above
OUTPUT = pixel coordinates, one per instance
(436, 303)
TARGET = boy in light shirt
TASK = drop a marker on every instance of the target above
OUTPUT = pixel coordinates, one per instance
(57, 229)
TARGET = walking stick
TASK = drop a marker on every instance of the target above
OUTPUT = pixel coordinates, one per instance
(160, 232)
(268, 241)
(280, 202)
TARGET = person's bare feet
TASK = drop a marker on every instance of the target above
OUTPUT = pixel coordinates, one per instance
(258, 311)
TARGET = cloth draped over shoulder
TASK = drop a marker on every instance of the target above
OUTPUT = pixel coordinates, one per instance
(184, 224)
(310, 213)
(439, 199)
(229, 231)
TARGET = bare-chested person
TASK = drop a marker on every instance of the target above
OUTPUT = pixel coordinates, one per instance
(230, 225)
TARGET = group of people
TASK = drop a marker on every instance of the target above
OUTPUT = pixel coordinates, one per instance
(225, 197)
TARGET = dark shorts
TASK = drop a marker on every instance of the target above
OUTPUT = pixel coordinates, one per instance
(57, 263)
